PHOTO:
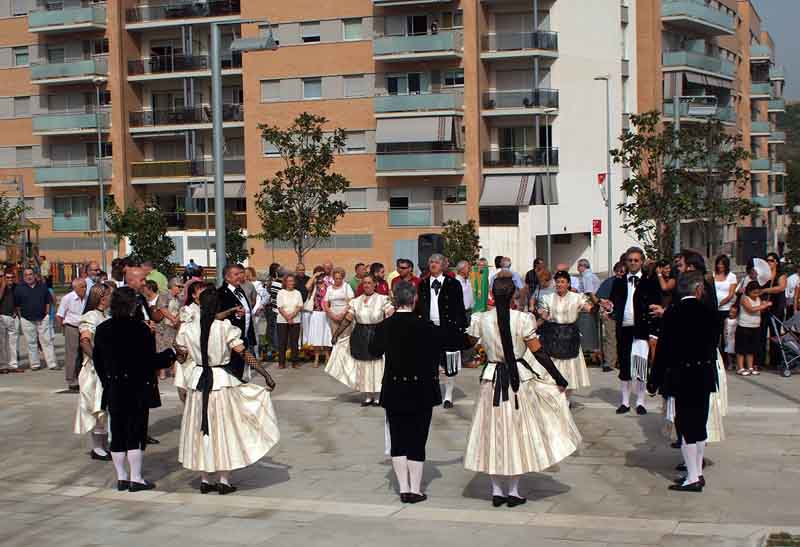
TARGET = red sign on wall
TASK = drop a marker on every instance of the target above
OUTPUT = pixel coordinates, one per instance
(597, 227)
(601, 178)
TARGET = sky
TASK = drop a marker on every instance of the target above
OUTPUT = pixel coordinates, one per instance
(780, 18)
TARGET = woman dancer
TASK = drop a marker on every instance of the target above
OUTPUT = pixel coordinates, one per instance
(90, 415)
(351, 361)
(529, 429)
(561, 338)
(189, 313)
(318, 334)
(226, 424)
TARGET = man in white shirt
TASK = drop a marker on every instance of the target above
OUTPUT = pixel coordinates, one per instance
(791, 286)
(68, 316)
(463, 270)
(92, 274)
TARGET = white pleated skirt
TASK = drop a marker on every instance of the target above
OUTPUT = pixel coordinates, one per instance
(90, 399)
(574, 371)
(361, 376)
(318, 333)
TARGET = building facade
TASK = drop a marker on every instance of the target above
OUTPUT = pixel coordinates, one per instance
(493, 110)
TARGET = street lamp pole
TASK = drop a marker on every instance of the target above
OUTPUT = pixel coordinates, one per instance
(609, 186)
(98, 82)
(547, 146)
(219, 163)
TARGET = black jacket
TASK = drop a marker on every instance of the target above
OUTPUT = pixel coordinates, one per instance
(452, 314)
(412, 348)
(685, 362)
(647, 293)
(228, 300)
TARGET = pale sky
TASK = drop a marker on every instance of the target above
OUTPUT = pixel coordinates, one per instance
(781, 19)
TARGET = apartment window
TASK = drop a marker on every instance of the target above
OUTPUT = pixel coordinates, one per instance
(455, 195)
(71, 213)
(356, 199)
(355, 86)
(55, 55)
(19, 7)
(312, 88)
(454, 78)
(355, 142)
(54, 5)
(310, 32)
(452, 19)
(270, 90)
(404, 84)
(96, 47)
(499, 216)
(352, 29)
(269, 149)
(20, 55)
(398, 202)
(22, 106)
(24, 156)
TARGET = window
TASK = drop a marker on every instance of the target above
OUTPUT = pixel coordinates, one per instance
(352, 29)
(499, 216)
(452, 20)
(24, 156)
(455, 195)
(22, 106)
(55, 55)
(356, 142)
(312, 88)
(270, 90)
(20, 55)
(269, 149)
(19, 7)
(404, 84)
(98, 47)
(355, 86)
(356, 199)
(310, 32)
(398, 202)
(71, 213)
(454, 78)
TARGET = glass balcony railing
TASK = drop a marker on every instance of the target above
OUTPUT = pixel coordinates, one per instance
(534, 98)
(697, 10)
(442, 41)
(777, 199)
(759, 51)
(70, 68)
(520, 157)
(183, 10)
(777, 137)
(420, 161)
(778, 167)
(450, 100)
(692, 110)
(53, 122)
(410, 217)
(516, 41)
(761, 88)
(184, 168)
(762, 127)
(758, 164)
(57, 19)
(165, 64)
(71, 172)
(184, 116)
(777, 73)
(777, 105)
(761, 201)
(699, 61)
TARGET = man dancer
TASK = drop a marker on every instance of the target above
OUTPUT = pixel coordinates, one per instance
(441, 301)
(631, 298)
(232, 295)
(68, 315)
(685, 368)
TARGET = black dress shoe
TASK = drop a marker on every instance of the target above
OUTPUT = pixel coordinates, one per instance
(622, 409)
(74, 389)
(152, 440)
(681, 480)
(497, 501)
(415, 498)
(513, 501)
(694, 487)
(122, 486)
(404, 497)
(376, 403)
(448, 404)
(140, 486)
(640, 410)
(676, 444)
(366, 403)
(225, 489)
(95, 456)
(205, 488)
(607, 368)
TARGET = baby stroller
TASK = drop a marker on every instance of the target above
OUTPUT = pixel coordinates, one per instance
(788, 342)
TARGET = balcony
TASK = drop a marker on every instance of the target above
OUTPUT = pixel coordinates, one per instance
(142, 121)
(163, 66)
(525, 102)
(71, 174)
(410, 217)
(389, 3)
(761, 201)
(70, 123)
(692, 112)
(760, 128)
(520, 157)
(760, 53)
(150, 172)
(411, 160)
(777, 137)
(446, 44)
(778, 168)
(197, 220)
(179, 13)
(697, 17)
(71, 71)
(777, 199)
(510, 45)
(698, 62)
(760, 165)
(423, 102)
(760, 90)
(68, 19)
(777, 73)
(777, 105)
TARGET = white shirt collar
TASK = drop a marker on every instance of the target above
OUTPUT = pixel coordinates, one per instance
(232, 288)
(688, 297)
(637, 274)
(439, 278)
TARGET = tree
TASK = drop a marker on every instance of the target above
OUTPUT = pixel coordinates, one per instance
(461, 241)
(298, 203)
(692, 176)
(11, 220)
(146, 230)
(235, 241)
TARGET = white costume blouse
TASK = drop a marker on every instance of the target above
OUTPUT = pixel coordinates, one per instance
(564, 310)
(484, 327)
(222, 338)
(372, 311)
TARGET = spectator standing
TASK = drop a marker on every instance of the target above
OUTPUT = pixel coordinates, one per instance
(748, 336)
(289, 305)
(532, 277)
(151, 273)
(92, 274)
(44, 267)
(304, 284)
(725, 287)
(68, 316)
(503, 263)
(405, 272)
(377, 271)
(32, 301)
(9, 324)
(791, 290)
(361, 271)
(588, 282)
(607, 321)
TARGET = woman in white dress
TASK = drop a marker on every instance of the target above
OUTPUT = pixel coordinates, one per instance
(560, 336)
(90, 416)
(337, 298)
(318, 334)
(351, 361)
(525, 431)
(227, 424)
(189, 313)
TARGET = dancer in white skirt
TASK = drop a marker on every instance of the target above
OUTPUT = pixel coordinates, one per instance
(529, 429)
(189, 313)
(560, 335)
(90, 416)
(227, 424)
(351, 362)
(318, 334)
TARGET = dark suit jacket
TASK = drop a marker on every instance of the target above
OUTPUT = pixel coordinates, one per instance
(648, 292)
(412, 348)
(452, 314)
(228, 300)
(125, 359)
(685, 363)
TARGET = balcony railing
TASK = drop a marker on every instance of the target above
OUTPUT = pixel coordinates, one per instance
(53, 122)
(184, 10)
(760, 164)
(184, 116)
(761, 201)
(71, 68)
(778, 168)
(760, 127)
(164, 64)
(693, 110)
(534, 98)
(777, 73)
(410, 217)
(184, 168)
(777, 105)
(85, 171)
(777, 199)
(761, 52)
(414, 160)
(444, 100)
(442, 41)
(699, 61)
(777, 137)
(56, 19)
(197, 220)
(697, 10)
(520, 157)
(516, 41)
(761, 88)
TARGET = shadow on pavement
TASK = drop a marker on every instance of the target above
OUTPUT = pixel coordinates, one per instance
(534, 486)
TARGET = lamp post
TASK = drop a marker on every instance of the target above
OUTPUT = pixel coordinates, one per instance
(548, 148)
(609, 187)
(98, 83)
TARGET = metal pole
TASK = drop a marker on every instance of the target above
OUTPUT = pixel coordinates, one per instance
(208, 236)
(21, 199)
(219, 170)
(549, 182)
(100, 180)
(676, 106)
(609, 186)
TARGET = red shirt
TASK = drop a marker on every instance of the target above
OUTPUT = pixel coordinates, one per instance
(414, 281)
(382, 287)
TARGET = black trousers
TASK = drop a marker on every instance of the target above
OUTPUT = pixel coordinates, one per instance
(624, 346)
(409, 433)
(128, 429)
(721, 317)
(288, 337)
(691, 417)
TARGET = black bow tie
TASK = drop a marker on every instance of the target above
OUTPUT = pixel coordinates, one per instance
(239, 291)
(635, 280)
(436, 285)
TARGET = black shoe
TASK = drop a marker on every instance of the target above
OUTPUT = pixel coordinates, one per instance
(448, 404)
(694, 487)
(140, 486)
(224, 489)
(122, 486)
(513, 501)
(415, 498)
(376, 403)
(497, 501)
(640, 410)
(676, 445)
(404, 497)
(152, 440)
(74, 389)
(366, 403)
(681, 480)
(606, 368)
(95, 456)
(623, 409)
(205, 488)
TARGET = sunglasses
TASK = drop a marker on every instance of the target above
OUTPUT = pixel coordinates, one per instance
(771, 260)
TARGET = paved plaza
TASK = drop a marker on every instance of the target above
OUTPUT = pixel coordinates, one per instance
(328, 483)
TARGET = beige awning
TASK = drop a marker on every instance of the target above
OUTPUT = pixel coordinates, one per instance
(425, 129)
(231, 189)
(507, 190)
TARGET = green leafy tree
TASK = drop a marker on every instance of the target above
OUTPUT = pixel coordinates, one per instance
(693, 176)
(146, 230)
(461, 241)
(235, 241)
(11, 219)
(298, 204)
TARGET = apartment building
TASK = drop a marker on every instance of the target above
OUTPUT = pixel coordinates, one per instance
(470, 109)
